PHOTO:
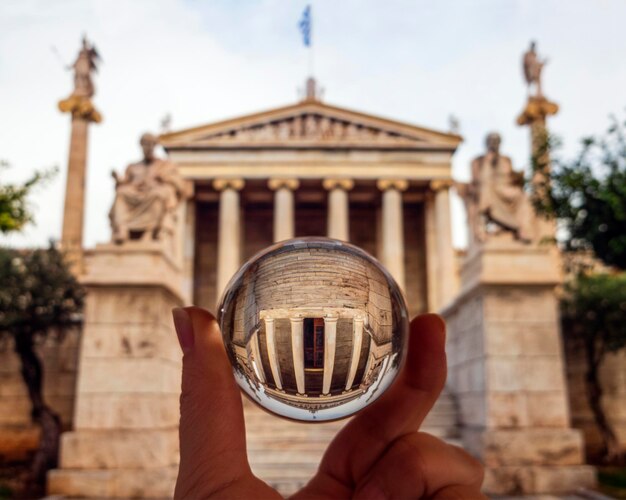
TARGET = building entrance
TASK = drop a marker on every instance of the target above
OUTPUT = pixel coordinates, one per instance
(313, 343)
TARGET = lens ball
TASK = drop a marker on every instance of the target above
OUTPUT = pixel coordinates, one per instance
(315, 328)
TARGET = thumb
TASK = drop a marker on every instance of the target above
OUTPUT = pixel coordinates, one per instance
(212, 432)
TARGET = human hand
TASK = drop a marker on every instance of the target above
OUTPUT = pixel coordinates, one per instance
(379, 454)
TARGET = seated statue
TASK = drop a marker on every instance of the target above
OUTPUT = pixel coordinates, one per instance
(496, 197)
(146, 197)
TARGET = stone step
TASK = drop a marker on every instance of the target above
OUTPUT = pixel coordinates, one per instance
(286, 454)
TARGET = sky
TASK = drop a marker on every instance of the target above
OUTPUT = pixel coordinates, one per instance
(201, 61)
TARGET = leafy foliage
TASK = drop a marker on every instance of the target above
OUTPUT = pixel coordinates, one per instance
(39, 296)
(38, 292)
(14, 210)
(588, 194)
(595, 306)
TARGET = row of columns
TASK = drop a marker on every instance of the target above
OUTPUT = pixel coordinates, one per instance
(440, 254)
(297, 352)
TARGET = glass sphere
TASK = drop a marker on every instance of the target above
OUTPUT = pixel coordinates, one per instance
(315, 328)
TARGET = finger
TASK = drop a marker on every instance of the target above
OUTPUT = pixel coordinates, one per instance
(212, 433)
(419, 465)
(400, 410)
(459, 493)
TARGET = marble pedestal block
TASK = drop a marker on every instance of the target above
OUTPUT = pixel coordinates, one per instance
(125, 438)
(506, 368)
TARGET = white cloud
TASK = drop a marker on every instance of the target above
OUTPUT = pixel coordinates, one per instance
(203, 61)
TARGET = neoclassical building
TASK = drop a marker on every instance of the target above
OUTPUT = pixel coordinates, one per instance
(230, 189)
(312, 169)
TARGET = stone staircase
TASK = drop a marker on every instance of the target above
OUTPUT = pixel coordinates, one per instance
(286, 454)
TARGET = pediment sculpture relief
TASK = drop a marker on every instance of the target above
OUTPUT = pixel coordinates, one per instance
(146, 197)
(495, 198)
(310, 127)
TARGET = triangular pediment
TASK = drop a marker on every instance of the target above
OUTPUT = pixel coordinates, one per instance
(309, 124)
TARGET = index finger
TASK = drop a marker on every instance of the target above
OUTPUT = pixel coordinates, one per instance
(212, 433)
(400, 410)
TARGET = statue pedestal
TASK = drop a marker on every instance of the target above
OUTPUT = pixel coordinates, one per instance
(506, 369)
(125, 437)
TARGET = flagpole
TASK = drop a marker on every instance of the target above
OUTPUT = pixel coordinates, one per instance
(311, 53)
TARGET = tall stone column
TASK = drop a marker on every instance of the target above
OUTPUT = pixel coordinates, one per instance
(297, 348)
(534, 116)
(330, 344)
(229, 232)
(74, 208)
(393, 227)
(357, 342)
(446, 265)
(338, 208)
(83, 112)
(284, 218)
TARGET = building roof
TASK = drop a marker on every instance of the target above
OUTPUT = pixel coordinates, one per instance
(310, 124)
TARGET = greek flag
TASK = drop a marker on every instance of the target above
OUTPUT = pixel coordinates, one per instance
(305, 26)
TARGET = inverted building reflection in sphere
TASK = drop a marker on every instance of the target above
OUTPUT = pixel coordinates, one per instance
(315, 328)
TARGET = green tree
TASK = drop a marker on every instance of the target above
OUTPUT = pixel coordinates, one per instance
(588, 198)
(588, 195)
(594, 312)
(39, 297)
(14, 209)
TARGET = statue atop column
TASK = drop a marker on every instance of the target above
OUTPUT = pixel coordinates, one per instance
(532, 69)
(146, 197)
(495, 198)
(79, 102)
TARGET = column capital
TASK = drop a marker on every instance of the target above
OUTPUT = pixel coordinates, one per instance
(222, 184)
(439, 184)
(331, 183)
(278, 183)
(397, 184)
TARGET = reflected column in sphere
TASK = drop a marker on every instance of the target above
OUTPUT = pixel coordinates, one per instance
(315, 328)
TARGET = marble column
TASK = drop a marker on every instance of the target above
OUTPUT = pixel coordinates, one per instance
(284, 220)
(257, 363)
(229, 232)
(330, 344)
(447, 275)
(393, 227)
(357, 342)
(432, 259)
(271, 352)
(338, 208)
(297, 350)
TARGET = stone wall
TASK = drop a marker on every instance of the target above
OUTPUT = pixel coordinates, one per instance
(60, 359)
(613, 379)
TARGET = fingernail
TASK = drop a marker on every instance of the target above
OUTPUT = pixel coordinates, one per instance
(184, 328)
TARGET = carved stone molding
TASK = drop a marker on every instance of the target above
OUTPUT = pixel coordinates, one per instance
(397, 184)
(310, 127)
(276, 184)
(221, 184)
(345, 184)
